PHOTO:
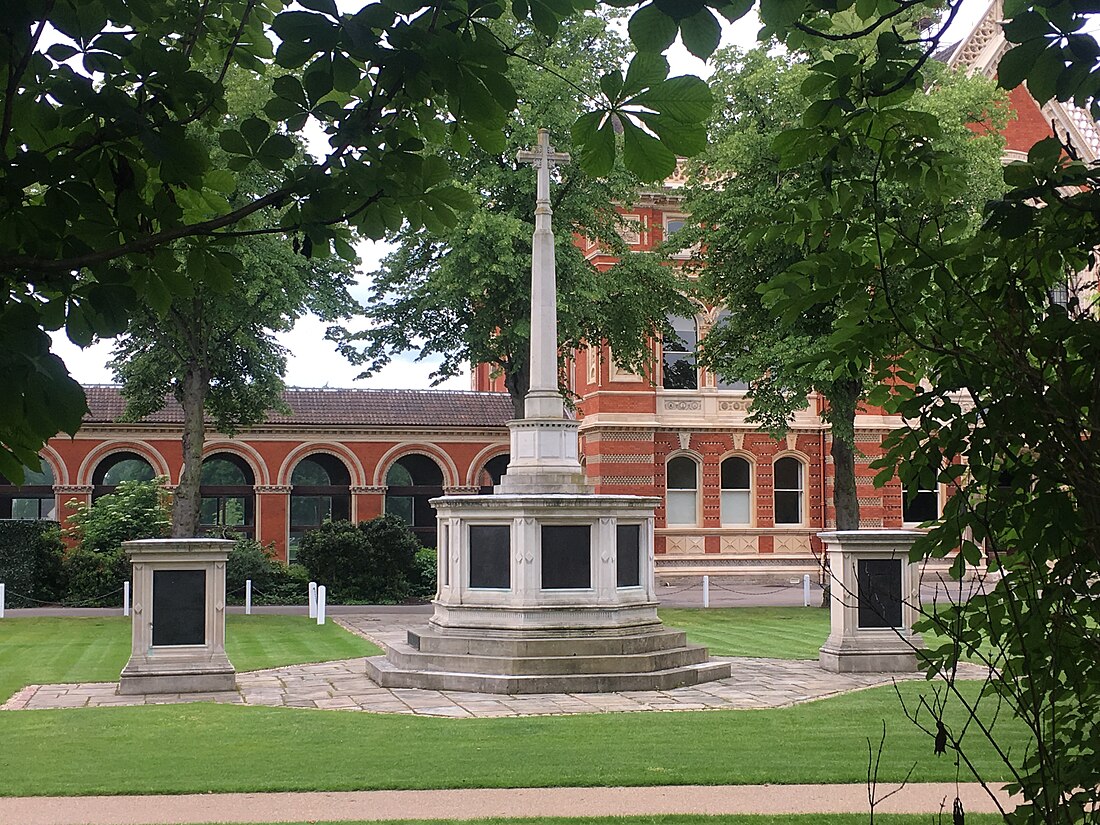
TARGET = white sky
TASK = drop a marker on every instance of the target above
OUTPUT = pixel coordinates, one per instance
(314, 362)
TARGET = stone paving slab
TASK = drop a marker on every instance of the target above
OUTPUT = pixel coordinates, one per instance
(343, 685)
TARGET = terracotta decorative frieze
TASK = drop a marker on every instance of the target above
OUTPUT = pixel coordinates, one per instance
(461, 491)
(360, 490)
(275, 489)
(73, 489)
(683, 404)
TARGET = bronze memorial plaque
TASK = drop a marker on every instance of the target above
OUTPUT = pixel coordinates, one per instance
(179, 607)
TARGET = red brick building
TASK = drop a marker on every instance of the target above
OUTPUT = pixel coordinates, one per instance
(733, 500)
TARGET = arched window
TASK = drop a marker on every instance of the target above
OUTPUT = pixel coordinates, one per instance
(919, 505)
(491, 473)
(720, 381)
(117, 468)
(788, 490)
(319, 493)
(411, 482)
(736, 491)
(31, 500)
(682, 502)
(228, 504)
(678, 359)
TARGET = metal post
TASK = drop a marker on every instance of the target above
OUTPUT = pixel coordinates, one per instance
(806, 590)
(321, 604)
(1, 600)
(248, 597)
(313, 600)
(126, 598)
(706, 591)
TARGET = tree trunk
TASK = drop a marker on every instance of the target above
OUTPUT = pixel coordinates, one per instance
(186, 502)
(517, 380)
(843, 399)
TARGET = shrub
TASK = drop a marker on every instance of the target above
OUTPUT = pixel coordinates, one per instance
(136, 510)
(272, 581)
(424, 576)
(373, 561)
(95, 579)
(30, 562)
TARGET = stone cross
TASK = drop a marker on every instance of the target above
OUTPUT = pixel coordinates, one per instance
(543, 399)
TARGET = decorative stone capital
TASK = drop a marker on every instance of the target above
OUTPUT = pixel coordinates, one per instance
(461, 491)
(363, 490)
(73, 489)
(272, 489)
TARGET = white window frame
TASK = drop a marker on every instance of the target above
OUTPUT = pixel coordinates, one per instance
(694, 491)
(750, 490)
(801, 490)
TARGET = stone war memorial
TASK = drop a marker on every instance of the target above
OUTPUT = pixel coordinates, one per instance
(545, 587)
(178, 623)
(874, 601)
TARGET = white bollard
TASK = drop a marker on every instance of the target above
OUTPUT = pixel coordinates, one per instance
(321, 604)
(313, 600)
(706, 591)
(1, 600)
(806, 590)
(126, 598)
(248, 597)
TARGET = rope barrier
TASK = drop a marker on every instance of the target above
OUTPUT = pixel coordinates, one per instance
(83, 603)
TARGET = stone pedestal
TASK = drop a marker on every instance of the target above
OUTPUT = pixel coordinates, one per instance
(875, 600)
(178, 625)
(545, 593)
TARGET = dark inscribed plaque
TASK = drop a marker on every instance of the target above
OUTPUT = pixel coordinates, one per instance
(879, 592)
(179, 607)
(490, 555)
(566, 557)
(628, 568)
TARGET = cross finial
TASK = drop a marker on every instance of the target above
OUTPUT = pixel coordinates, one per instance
(541, 157)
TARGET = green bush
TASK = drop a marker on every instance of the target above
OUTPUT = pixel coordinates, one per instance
(30, 562)
(425, 574)
(136, 510)
(373, 561)
(272, 581)
(95, 579)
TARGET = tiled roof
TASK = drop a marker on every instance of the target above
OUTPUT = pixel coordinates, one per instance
(342, 407)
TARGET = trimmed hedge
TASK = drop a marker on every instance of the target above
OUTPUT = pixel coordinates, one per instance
(272, 581)
(372, 562)
(30, 562)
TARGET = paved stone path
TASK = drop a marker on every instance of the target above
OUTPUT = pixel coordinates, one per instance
(928, 798)
(343, 685)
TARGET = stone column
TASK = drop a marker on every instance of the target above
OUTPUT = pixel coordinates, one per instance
(875, 601)
(178, 625)
(64, 493)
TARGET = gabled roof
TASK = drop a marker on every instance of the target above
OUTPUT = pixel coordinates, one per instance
(341, 407)
(981, 51)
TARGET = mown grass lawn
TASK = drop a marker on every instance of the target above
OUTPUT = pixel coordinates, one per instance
(206, 747)
(767, 632)
(36, 651)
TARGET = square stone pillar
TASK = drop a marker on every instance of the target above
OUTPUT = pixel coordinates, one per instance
(875, 601)
(178, 625)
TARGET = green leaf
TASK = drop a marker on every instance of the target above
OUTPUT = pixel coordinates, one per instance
(780, 15)
(1016, 63)
(701, 33)
(611, 84)
(686, 98)
(255, 131)
(651, 30)
(221, 180)
(234, 143)
(645, 70)
(1042, 80)
(595, 144)
(645, 155)
(323, 6)
(683, 139)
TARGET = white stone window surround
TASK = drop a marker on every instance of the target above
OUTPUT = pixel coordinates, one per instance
(673, 223)
(630, 229)
(721, 318)
(682, 501)
(908, 506)
(737, 503)
(688, 340)
(788, 489)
